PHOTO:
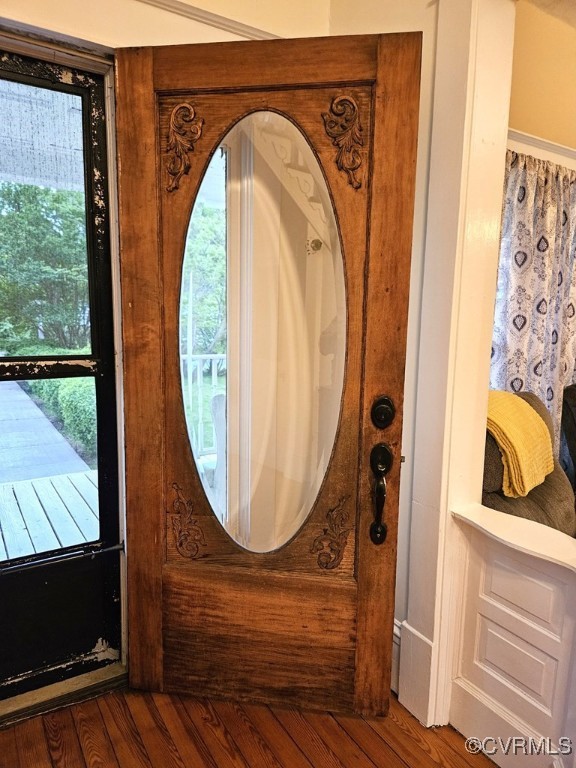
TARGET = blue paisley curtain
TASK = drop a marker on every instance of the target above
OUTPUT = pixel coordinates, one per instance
(534, 339)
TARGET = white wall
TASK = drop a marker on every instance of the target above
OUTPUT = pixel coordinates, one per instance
(117, 23)
(297, 18)
(112, 23)
(543, 98)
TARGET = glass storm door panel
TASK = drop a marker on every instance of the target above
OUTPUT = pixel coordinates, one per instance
(58, 436)
(280, 175)
(44, 250)
(262, 330)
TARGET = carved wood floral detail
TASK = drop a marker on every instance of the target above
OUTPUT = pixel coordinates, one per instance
(188, 535)
(330, 545)
(185, 130)
(342, 125)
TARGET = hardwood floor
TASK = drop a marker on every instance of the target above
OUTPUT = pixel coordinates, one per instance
(127, 729)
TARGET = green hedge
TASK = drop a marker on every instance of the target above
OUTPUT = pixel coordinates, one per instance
(77, 403)
(41, 349)
(69, 402)
(72, 402)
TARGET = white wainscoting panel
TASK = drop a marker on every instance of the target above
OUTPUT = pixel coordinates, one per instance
(517, 657)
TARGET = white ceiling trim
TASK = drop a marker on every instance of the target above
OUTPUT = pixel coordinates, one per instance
(542, 148)
(211, 19)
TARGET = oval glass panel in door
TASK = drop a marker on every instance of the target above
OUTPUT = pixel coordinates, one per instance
(262, 331)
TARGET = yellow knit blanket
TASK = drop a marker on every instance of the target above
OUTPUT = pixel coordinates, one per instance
(524, 441)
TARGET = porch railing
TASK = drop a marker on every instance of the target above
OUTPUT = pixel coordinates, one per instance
(203, 376)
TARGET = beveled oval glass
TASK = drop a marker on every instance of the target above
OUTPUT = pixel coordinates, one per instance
(262, 331)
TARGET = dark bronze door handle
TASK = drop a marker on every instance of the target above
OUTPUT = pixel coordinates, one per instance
(380, 463)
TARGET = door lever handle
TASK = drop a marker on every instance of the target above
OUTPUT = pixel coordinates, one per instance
(380, 463)
(379, 529)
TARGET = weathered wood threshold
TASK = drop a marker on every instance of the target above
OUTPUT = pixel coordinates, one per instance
(58, 695)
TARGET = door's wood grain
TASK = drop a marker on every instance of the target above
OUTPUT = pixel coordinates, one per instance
(390, 228)
(142, 339)
(213, 619)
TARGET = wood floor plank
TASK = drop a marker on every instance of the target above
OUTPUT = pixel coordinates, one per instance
(31, 744)
(8, 749)
(331, 732)
(315, 749)
(277, 737)
(371, 742)
(126, 742)
(94, 741)
(408, 723)
(214, 734)
(457, 743)
(254, 748)
(155, 736)
(190, 746)
(62, 740)
(414, 743)
(142, 730)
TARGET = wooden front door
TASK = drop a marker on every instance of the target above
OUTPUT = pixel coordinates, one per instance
(212, 612)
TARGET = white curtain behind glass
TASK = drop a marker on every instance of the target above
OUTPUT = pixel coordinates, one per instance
(534, 339)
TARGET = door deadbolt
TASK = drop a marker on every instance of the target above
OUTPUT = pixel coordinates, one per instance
(383, 412)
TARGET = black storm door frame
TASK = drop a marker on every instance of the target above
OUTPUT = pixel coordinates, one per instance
(60, 609)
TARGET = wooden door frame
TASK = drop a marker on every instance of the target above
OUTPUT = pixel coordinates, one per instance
(389, 248)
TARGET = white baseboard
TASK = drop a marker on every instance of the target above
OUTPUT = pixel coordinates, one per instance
(414, 673)
(478, 716)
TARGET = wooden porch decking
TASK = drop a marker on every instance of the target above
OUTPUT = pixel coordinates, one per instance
(48, 513)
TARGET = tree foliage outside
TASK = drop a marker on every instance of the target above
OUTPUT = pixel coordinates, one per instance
(204, 283)
(43, 268)
(44, 299)
(203, 320)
